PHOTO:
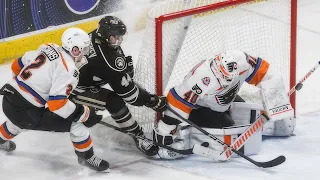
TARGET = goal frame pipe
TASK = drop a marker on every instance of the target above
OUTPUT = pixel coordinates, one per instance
(293, 51)
(158, 38)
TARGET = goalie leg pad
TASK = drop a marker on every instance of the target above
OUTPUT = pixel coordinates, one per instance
(228, 136)
(210, 153)
(284, 127)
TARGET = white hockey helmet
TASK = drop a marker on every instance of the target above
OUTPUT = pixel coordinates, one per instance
(76, 42)
(225, 66)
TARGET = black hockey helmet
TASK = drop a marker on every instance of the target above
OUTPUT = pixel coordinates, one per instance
(111, 26)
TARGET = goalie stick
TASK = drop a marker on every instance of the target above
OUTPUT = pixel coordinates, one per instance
(183, 152)
(271, 163)
(299, 85)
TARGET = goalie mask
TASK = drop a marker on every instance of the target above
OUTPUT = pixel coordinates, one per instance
(112, 31)
(225, 68)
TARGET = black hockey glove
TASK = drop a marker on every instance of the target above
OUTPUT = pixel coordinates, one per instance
(93, 118)
(130, 70)
(157, 103)
(86, 115)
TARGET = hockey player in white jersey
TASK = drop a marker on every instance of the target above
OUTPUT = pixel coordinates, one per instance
(37, 97)
(205, 97)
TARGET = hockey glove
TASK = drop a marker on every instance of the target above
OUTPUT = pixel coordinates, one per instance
(130, 70)
(162, 139)
(157, 103)
(86, 115)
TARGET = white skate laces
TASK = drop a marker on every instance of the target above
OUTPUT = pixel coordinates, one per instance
(94, 160)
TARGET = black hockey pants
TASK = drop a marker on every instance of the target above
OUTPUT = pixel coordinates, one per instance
(27, 116)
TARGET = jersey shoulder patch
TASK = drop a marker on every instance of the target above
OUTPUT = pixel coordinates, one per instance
(120, 63)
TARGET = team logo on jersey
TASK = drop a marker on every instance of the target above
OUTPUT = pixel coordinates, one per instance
(206, 81)
(197, 89)
(120, 63)
(227, 97)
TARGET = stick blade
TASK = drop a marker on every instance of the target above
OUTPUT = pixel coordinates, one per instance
(275, 162)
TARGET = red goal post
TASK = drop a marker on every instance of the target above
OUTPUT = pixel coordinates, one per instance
(181, 31)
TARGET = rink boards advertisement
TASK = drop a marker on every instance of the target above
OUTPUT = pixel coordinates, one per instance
(26, 24)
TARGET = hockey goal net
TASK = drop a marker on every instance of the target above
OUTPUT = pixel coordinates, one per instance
(180, 33)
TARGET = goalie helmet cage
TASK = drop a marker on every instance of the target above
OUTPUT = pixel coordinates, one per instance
(181, 33)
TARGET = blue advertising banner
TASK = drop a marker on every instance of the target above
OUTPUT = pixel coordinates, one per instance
(23, 16)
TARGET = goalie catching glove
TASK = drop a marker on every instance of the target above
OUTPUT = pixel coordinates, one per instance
(157, 103)
(86, 115)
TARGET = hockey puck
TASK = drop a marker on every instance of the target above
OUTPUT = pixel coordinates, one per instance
(298, 86)
(205, 144)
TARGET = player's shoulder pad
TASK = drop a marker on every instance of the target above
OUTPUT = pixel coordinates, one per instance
(29, 56)
(251, 60)
(66, 63)
(202, 80)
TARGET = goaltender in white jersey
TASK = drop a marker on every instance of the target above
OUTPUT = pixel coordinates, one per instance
(207, 97)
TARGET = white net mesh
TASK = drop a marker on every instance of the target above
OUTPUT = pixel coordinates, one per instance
(260, 28)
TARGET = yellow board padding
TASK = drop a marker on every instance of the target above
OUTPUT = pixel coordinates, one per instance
(10, 50)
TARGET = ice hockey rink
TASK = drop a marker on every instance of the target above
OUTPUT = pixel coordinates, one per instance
(50, 156)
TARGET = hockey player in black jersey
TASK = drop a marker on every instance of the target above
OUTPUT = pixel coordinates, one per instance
(107, 64)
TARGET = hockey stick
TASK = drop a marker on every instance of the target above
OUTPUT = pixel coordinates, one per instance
(183, 152)
(271, 163)
(244, 137)
(299, 85)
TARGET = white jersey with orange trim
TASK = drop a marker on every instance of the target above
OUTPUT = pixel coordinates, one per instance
(46, 77)
(201, 87)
